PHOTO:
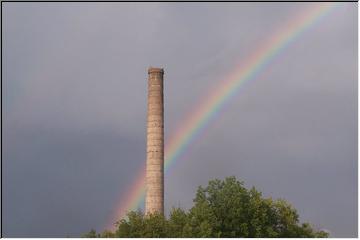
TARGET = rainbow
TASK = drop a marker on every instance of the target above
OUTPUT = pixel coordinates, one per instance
(228, 88)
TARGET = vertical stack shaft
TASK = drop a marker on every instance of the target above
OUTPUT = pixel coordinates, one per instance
(155, 143)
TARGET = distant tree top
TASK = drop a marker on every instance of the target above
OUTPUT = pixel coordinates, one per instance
(224, 208)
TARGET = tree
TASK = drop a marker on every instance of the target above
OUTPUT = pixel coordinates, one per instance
(176, 223)
(133, 227)
(221, 209)
(90, 234)
(155, 226)
(107, 234)
(228, 209)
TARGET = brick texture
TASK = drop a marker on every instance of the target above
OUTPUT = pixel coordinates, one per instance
(155, 143)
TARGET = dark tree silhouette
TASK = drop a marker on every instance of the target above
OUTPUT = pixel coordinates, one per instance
(222, 209)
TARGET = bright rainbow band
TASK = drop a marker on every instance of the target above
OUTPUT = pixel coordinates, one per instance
(199, 119)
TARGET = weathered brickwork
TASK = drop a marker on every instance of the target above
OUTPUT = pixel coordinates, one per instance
(155, 143)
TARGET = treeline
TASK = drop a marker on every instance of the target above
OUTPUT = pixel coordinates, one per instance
(222, 209)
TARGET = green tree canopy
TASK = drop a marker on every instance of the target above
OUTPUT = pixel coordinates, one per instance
(221, 209)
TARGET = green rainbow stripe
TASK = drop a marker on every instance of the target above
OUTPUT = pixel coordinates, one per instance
(228, 88)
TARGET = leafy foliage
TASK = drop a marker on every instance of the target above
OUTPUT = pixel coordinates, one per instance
(90, 234)
(222, 209)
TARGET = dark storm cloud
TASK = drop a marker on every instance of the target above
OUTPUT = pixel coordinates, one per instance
(57, 179)
(75, 109)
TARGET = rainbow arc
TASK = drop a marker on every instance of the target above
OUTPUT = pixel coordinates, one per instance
(208, 109)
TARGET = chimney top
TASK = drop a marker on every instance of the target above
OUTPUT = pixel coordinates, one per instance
(155, 70)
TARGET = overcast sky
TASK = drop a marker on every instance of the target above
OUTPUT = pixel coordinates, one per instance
(75, 78)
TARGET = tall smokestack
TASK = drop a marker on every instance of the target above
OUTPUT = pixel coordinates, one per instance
(155, 143)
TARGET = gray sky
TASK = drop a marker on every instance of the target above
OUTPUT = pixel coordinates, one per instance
(74, 77)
